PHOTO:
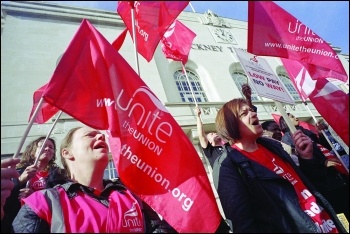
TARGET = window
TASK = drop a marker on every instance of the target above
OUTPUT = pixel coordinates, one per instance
(185, 91)
(289, 86)
(110, 172)
(240, 78)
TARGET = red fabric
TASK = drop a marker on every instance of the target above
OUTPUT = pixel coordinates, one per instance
(272, 31)
(120, 40)
(38, 181)
(153, 155)
(303, 79)
(177, 42)
(333, 105)
(46, 110)
(305, 125)
(152, 19)
(341, 169)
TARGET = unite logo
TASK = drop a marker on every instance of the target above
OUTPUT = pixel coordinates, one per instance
(305, 83)
(255, 62)
(168, 33)
(132, 219)
(39, 184)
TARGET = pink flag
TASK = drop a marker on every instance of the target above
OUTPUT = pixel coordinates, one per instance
(46, 110)
(333, 105)
(152, 19)
(330, 101)
(120, 40)
(177, 42)
(272, 31)
(153, 155)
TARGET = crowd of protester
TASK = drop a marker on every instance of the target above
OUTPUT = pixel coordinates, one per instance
(268, 179)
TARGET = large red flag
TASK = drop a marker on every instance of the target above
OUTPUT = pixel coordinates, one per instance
(272, 31)
(152, 19)
(46, 110)
(177, 42)
(154, 157)
(330, 101)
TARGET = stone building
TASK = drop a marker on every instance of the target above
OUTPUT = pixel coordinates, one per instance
(34, 34)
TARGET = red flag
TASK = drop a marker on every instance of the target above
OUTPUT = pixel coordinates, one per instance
(177, 42)
(152, 19)
(272, 31)
(301, 77)
(340, 168)
(330, 101)
(333, 105)
(46, 110)
(120, 40)
(305, 125)
(154, 157)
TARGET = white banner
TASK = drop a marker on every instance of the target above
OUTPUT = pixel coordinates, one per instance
(262, 78)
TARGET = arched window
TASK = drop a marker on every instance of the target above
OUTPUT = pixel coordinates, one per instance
(184, 88)
(111, 171)
(240, 78)
(289, 86)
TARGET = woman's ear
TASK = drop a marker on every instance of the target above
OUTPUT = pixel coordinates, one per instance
(66, 154)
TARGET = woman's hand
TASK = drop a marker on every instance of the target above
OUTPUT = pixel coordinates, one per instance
(303, 144)
(8, 171)
(332, 162)
(27, 174)
(25, 192)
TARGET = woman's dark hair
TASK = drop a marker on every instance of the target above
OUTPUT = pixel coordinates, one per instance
(28, 156)
(227, 120)
(267, 123)
(283, 125)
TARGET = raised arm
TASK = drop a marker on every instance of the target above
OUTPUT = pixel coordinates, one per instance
(247, 92)
(201, 134)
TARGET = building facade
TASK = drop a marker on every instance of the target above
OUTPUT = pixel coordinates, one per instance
(35, 34)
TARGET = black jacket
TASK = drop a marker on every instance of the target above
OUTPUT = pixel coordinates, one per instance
(257, 200)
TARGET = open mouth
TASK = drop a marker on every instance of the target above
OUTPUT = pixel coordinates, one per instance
(256, 122)
(100, 145)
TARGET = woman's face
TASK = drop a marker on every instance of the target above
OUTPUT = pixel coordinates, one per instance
(249, 126)
(47, 152)
(294, 120)
(89, 146)
(274, 131)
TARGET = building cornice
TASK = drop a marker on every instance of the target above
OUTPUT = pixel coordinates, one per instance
(62, 12)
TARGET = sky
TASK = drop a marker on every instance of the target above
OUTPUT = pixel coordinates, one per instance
(328, 19)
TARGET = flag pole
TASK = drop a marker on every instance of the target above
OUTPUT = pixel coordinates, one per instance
(28, 127)
(329, 142)
(192, 7)
(43, 145)
(189, 84)
(135, 39)
(285, 116)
